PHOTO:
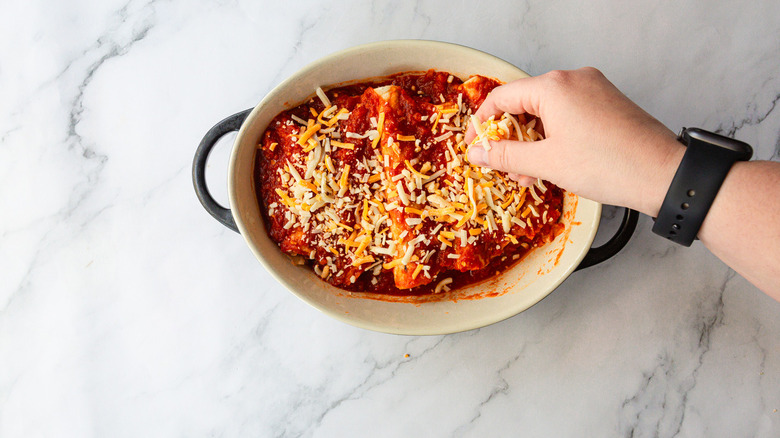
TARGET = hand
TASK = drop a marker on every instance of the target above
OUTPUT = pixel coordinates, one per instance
(598, 143)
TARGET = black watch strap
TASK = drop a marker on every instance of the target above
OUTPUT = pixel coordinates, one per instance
(707, 160)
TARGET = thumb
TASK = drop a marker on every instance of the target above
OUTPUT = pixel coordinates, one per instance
(511, 156)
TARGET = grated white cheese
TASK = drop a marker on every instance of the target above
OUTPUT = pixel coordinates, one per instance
(442, 285)
(323, 97)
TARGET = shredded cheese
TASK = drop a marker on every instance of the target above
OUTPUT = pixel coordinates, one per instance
(367, 211)
(323, 97)
(308, 133)
(442, 285)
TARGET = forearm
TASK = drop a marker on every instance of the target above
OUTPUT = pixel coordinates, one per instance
(741, 227)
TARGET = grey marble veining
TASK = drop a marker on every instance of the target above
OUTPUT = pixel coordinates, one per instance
(125, 310)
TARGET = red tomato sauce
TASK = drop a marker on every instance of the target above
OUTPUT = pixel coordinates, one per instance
(409, 116)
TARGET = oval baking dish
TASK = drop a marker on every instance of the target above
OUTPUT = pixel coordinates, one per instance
(476, 305)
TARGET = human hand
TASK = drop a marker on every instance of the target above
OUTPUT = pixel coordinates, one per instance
(598, 143)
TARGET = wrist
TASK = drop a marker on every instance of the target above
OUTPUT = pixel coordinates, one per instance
(705, 165)
(660, 176)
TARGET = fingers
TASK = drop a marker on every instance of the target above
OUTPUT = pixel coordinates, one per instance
(523, 180)
(518, 97)
(520, 158)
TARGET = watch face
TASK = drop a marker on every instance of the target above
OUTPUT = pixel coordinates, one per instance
(743, 149)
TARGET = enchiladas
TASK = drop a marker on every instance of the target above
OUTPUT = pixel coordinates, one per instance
(370, 185)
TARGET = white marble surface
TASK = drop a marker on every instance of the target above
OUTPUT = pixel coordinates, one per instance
(125, 310)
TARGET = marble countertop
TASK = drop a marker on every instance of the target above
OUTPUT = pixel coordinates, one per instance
(126, 310)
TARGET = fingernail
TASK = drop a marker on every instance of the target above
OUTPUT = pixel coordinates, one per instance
(478, 155)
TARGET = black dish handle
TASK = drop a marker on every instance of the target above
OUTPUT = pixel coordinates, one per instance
(229, 124)
(615, 244)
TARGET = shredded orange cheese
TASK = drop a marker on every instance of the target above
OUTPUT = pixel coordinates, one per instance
(308, 133)
(369, 215)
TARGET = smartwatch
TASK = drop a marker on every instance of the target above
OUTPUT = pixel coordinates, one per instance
(707, 160)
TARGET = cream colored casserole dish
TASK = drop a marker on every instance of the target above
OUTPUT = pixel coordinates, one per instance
(477, 305)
